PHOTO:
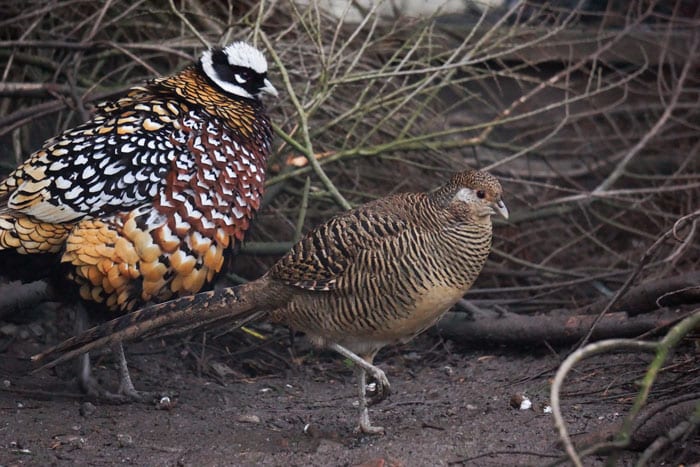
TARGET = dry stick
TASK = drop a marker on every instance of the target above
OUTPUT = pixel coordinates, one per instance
(649, 418)
(209, 23)
(645, 258)
(673, 434)
(188, 24)
(349, 40)
(653, 294)
(298, 229)
(549, 32)
(653, 131)
(26, 115)
(487, 128)
(307, 149)
(619, 170)
(440, 140)
(89, 45)
(664, 347)
(425, 87)
(11, 58)
(135, 58)
(12, 89)
(517, 329)
(567, 365)
(661, 348)
(77, 60)
(551, 82)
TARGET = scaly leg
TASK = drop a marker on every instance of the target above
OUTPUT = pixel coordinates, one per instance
(87, 382)
(364, 366)
(126, 387)
(89, 385)
(365, 426)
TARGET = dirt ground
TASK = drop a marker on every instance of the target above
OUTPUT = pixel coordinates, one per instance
(449, 406)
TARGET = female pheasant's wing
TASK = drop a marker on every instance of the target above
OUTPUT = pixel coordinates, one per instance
(323, 257)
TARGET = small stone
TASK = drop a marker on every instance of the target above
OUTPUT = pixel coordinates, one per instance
(448, 370)
(248, 418)
(6, 383)
(165, 403)
(222, 370)
(520, 401)
(87, 409)
(124, 440)
(68, 441)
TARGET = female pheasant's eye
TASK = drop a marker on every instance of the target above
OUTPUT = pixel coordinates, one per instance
(481, 194)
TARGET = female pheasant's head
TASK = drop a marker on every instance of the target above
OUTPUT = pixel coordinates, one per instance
(239, 69)
(477, 193)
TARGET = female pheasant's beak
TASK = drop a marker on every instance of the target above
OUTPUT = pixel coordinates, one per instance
(501, 208)
(269, 88)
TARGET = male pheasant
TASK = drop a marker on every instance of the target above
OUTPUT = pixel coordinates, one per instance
(373, 276)
(143, 202)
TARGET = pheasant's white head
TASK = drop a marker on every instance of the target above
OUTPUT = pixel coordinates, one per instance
(238, 69)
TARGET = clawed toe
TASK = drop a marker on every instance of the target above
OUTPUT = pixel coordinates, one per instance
(379, 390)
(125, 395)
(369, 429)
(94, 390)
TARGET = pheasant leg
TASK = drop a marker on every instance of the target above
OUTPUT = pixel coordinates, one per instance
(126, 387)
(89, 384)
(365, 426)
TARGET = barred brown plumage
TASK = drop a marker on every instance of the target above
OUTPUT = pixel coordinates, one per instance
(142, 201)
(373, 276)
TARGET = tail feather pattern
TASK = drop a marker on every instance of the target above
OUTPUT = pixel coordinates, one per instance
(236, 305)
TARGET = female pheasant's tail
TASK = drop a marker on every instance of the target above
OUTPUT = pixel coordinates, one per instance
(234, 306)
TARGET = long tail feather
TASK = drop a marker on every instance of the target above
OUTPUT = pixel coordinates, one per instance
(236, 305)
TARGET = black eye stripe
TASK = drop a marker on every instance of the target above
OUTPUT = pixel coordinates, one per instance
(227, 72)
(241, 76)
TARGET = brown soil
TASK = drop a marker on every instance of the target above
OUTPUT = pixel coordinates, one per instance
(449, 406)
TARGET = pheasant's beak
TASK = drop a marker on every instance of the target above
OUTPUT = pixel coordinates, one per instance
(501, 208)
(269, 88)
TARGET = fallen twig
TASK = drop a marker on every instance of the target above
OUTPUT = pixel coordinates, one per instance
(512, 328)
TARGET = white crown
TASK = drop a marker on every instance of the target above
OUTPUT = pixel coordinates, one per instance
(238, 54)
(244, 54)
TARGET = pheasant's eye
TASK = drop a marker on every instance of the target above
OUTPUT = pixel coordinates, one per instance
(481, 194)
